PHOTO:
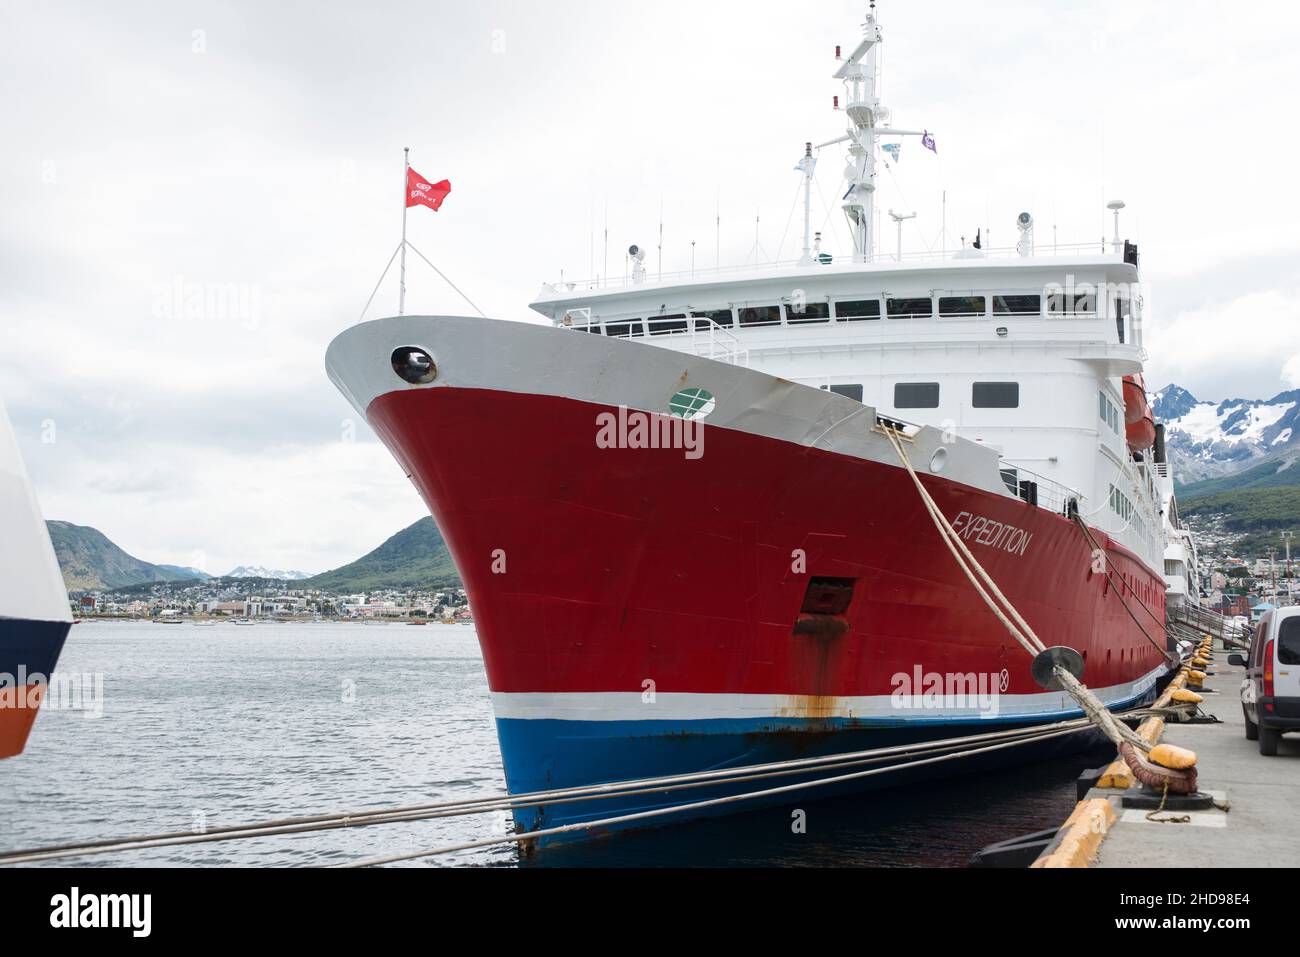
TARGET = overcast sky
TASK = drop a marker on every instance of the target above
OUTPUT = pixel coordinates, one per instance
(251, 153)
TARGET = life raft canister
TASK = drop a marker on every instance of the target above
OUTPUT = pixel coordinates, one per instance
(1139, 420)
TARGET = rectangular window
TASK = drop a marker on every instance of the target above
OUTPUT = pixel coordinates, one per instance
(858, 310)
(911, 308)
(1121, 317)
(996, 395)
(853, 392)
(1072, 304)
(667, 325)
(1017, 305)
(707, 319)
(623, 330)
(1288, 642)
(595, 330)
(808, 312)
(1109, 412)
(760, 315)
(916, 395)
(963, 307)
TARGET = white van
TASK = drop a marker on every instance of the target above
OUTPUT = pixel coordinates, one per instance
(1270, 695)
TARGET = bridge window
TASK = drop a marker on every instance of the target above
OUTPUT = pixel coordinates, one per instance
(996, 395)
(1017, 305)
(916, 395)
(760, 316)
(911, 308)
(667, 325)
(796, 314)
(963, 307)
(858, 310)
(1072, 303)
(624, 330)
(706, 319)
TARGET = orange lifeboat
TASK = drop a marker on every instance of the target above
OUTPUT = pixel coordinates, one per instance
(1139, 421)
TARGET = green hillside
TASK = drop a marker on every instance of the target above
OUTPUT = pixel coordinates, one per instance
(89, 561)
(1257, 514)
(1278, 471)
(415, 557)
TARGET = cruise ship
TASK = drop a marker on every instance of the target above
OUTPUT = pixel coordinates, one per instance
(684, 514)
(34, 612)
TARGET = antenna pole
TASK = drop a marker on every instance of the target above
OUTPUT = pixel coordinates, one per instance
(809, 165)
(406, 178)
(718, 241)
(661, 238)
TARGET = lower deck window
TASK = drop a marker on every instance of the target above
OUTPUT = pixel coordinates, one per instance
(625, 329)
(714, 317)
(760, 316)
(808, 312)
(858, 310)
(667, 325)
(916, 395)
(996, 395)
(963, 307)
(911, 308)
(854, 392)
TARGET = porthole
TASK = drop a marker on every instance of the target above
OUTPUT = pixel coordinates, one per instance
(692, 404)
(414, 365)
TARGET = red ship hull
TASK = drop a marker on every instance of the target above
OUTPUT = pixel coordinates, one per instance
(639, 611)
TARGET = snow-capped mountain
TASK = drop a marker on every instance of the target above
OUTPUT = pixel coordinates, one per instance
(1207, 440)
(275, 574)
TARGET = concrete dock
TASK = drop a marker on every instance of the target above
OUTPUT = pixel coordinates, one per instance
(1261, 827)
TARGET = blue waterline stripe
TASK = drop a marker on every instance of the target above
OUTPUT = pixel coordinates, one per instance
(30, 646)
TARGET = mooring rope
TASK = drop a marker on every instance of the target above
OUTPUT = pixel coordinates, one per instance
(493, 803)
(679, 808)
(1092, 706)
(1096, 547)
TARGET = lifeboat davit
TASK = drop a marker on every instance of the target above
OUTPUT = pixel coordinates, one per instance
(1139, 420)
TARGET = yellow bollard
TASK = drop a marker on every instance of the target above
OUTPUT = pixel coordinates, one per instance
(1174, 758)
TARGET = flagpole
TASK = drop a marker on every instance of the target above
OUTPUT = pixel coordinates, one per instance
(406, 178)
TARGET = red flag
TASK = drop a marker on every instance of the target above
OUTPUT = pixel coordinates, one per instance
(420, 192)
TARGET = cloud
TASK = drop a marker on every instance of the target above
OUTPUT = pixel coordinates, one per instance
(1240, 347)
(198, 197)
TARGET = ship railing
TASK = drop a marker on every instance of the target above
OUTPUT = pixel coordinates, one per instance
(711, 341)
(677, 277)
(1039, 490)
(706, 338)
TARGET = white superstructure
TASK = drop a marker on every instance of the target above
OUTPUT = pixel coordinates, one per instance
(1022, 350)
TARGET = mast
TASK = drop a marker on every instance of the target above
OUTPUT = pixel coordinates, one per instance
(406, 190)
(809, 167)
(868, 122)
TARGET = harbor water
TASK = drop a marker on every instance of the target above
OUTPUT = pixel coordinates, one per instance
(184, 728)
